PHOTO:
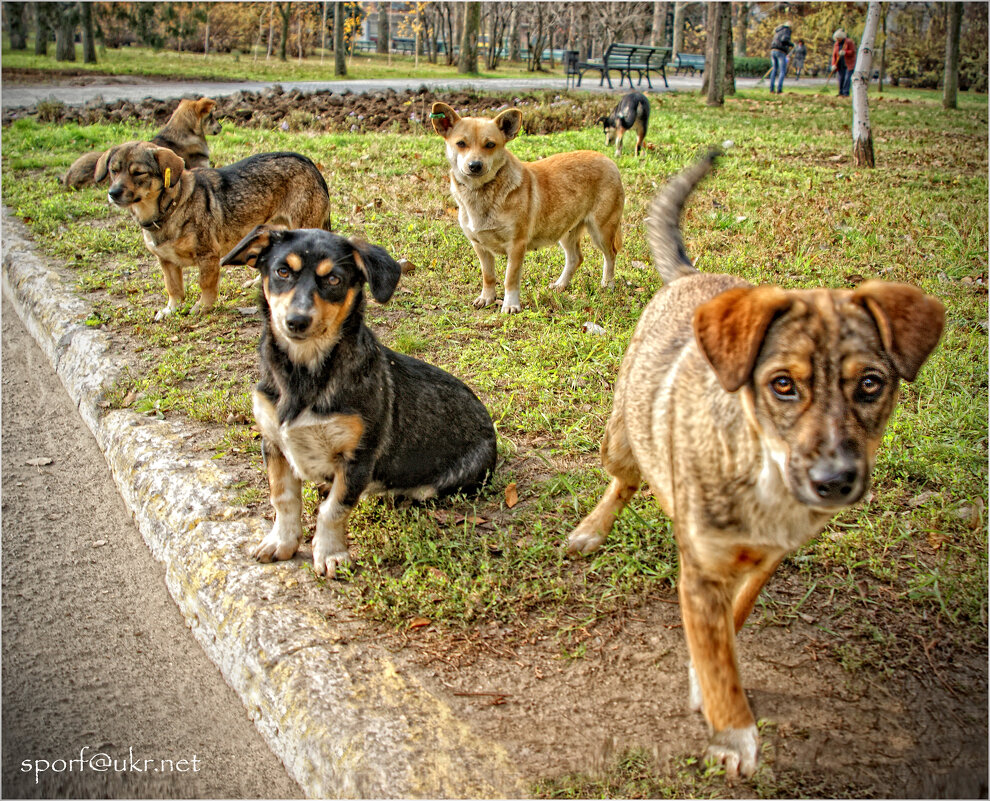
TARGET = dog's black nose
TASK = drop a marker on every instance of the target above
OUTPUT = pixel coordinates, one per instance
(298, 323)
(832, 485)
(475, 166)
(116, 192)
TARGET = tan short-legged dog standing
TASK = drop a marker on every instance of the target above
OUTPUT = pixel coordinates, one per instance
(508, 206)
(754, 414)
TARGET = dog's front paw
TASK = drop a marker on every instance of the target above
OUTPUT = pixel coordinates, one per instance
(559, 285)
(327, 564)
(483, 300)
(737, 750)
(584, 540)
(275, 548)
(200, 308)
(162, 313)
(511, 308)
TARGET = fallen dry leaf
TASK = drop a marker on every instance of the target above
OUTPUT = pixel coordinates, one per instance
(419, 622)
(511, 496)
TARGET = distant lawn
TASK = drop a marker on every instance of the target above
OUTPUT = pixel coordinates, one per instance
(247, 67)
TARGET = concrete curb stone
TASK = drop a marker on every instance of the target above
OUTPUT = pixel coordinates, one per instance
(346, 721)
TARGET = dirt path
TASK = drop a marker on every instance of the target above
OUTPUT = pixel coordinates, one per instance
(95, 654)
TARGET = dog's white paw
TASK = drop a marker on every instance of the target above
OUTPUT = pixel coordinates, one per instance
(584, 540)
(275, 548)
(327, 564)
(737, 750)
(608, 283)
(511, 308)
(483, 300)
(161, 314)
(696, 703)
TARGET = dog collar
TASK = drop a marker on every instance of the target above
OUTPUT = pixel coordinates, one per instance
(155, 223)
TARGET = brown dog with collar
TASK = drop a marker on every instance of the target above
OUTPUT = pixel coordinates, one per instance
(754, 414)
(511, 206)
(184, 134)
(193, 217)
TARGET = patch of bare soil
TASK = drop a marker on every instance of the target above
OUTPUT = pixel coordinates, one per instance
(389, 110)
(71, 77)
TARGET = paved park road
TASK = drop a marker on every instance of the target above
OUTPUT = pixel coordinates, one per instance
(96, 657)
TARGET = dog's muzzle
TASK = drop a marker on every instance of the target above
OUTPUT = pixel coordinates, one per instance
(297, 324)
(836, 481)
(475, 167)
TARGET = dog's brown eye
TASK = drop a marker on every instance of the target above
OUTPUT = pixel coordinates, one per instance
(489, 145)
(783, 387)
(870, 387)
(332, 280)
(283, 272)
(462, 144)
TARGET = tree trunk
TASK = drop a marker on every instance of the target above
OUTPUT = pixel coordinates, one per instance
(271, 29)
(514, 33)
(861, 131)
(42, 28)
(206, 34)
(883, 49)
(13, 14)
(719, 19)
(285, 12)
(339, 56)
(742, 28)
(730, 66)
(656, 29)
(323, 32)
(384, 29)
(468, 62)
(678, 42)
(65, 32)
(951, 84)
(88, 36)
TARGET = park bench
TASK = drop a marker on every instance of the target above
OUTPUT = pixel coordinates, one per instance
(627, 59)
(695, 62)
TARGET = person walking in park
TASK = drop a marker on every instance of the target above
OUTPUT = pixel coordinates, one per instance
(780, 46)
(843, 60)
(797, 58)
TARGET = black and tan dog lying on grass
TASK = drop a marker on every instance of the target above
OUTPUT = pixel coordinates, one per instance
(334, 405)
(508, 206)
(192, 217)
(184, 134)
(754, 414)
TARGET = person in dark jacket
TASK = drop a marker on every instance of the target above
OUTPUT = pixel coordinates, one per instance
(843, 60)
(780, 46)
(797, 58)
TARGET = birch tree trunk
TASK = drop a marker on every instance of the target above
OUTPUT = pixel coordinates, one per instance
(951, 82)
(678, 42)
(861, 131)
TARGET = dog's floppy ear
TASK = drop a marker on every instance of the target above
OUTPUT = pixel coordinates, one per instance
(381, 270)
(170, 165)
(910, 322)
(730, 329)
(204, 106)
(509, 122)
(444, 118)
(247, 251)
(102, 166)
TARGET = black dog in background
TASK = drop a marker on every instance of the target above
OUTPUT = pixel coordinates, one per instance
(632, 114)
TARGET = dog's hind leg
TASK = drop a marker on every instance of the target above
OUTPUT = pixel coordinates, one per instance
(286, 495)
(607, 235)
(571, 243)
(618, 460)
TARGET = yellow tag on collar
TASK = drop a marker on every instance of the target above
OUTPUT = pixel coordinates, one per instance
(168, 177)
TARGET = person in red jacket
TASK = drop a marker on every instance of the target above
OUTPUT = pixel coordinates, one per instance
(843, 60)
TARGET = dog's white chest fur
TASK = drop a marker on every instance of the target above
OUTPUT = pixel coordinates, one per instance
(313, 444)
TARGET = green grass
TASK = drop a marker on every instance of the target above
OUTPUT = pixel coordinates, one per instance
(785, 205)
(246, 67)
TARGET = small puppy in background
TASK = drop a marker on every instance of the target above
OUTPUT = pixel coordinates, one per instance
(754, 414)
(334, 405)
(507, 206)
(632, 114)
(190, 218)
(184, 134)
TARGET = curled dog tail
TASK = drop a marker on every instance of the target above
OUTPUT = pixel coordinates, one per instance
(663, 230)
